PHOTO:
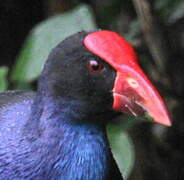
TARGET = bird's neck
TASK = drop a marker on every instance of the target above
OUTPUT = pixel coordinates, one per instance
(85, 153)
(81, 149)
(46, 111)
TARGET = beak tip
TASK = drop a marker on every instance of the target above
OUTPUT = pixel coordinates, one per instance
(169, 124)
(165, 121)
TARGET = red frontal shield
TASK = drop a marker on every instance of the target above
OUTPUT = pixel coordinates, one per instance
(133, 92)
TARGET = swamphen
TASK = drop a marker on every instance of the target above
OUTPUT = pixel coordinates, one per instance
(58, 132)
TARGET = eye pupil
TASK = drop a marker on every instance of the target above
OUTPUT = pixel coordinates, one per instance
(95, 66)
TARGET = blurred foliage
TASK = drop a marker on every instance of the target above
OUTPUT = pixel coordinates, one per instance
(122, 148)
(3, 78)
(53, 30)
(170, 10)
(46, 36)
(109, 11)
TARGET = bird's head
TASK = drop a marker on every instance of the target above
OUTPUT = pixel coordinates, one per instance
(101, 69)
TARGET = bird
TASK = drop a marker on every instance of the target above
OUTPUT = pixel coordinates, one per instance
(58, 132)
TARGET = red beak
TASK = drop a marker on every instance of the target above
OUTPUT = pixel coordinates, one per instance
(133, 92)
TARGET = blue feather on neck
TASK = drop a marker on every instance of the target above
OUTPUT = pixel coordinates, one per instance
(79, 148)
(85, 153)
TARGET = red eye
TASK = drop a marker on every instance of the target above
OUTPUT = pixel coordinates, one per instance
(95, 66)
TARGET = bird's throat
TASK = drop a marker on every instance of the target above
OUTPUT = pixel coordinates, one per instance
(85, 153)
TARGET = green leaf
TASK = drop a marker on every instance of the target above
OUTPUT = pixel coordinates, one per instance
(46, 36)
(3, 80)
(177, 12)
(134, 30)
(170, 10)
(122, 148)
